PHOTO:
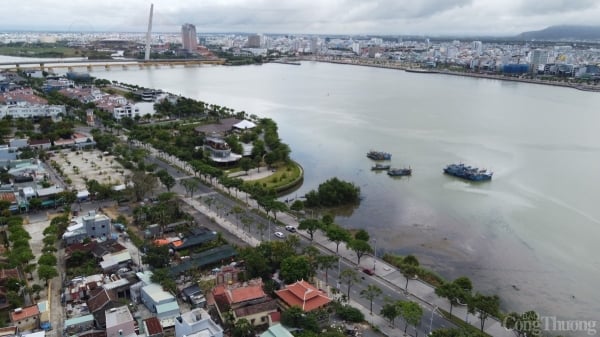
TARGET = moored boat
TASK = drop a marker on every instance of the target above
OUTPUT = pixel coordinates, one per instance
(400, 172)
(467, 172)
(379, 155)
(380, 167)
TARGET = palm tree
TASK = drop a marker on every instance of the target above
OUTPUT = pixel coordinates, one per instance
(349, 277)
(371, 293)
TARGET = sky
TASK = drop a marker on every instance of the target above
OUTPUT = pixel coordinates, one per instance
(389, 17)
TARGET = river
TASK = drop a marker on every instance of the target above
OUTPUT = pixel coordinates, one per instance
(529, 235)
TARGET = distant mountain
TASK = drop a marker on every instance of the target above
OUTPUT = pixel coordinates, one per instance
(553, 33)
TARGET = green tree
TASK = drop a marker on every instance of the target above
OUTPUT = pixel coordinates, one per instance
(486, 305)
(390, 311)
(245, 164)
(371, 293)
(157, 256)
(295, 268)
(325, 263)
(362, 234)
(295, 317)
(409, 271)
(337, 235)
(46, 272)
(143, 184)
(349, 277)
(47, 259)
(412, 314)
(191, 185)
(243, 328)
(168, 181)
(311, 226)
(360, 247)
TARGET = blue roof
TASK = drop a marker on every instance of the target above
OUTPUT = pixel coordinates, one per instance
(167, 307)
(79, 320)
(277, 330)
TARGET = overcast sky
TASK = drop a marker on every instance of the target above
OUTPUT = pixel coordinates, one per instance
(394, 17)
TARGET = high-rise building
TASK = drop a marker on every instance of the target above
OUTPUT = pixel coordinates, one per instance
(539, 56)
(253, 41)
(477, 47)
(189, 39)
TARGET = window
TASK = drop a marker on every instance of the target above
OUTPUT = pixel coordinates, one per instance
(93, 228)
(264, 318)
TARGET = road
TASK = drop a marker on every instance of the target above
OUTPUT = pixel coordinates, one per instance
(222, 206)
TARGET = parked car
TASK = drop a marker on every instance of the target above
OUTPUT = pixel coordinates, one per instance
(368, 271)
(290, 228)
(279, 235)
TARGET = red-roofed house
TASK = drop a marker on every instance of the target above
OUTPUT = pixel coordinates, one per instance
(27, 318)
(303, 295)
(153, 327)
(247, 301)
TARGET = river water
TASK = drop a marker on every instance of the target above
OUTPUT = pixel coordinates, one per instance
(529, 235)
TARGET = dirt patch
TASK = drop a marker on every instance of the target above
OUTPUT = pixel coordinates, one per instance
(90, 164)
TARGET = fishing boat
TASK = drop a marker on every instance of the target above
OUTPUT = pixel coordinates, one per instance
(399, 172)
(379, 155)
(380, 167)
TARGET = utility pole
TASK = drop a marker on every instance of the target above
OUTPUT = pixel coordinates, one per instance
(149, 34)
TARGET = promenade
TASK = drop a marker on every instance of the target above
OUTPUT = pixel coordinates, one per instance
(418, 290)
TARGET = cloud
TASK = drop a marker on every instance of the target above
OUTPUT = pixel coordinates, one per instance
(415, 17)
(555, 6)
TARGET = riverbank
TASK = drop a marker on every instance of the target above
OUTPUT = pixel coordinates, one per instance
(413, 69)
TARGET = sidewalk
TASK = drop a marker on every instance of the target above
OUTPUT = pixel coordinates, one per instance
(422, 292)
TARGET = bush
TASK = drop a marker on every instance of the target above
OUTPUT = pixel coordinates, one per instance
(350, 314)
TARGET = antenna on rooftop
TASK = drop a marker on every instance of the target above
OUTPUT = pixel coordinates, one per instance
(149, 33)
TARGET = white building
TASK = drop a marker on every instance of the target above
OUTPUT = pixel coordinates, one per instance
(196, 323)
(127, 110)
(25, 110)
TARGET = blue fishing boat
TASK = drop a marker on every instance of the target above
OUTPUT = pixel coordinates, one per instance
(468, 173)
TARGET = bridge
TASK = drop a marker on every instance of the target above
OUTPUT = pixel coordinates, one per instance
(50, 65)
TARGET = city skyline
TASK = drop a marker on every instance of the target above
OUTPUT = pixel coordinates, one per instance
(386, 17)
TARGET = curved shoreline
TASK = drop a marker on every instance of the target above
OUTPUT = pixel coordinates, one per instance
(388, 65)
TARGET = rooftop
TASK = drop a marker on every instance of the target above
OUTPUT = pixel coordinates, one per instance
(303, 295)
(23, 313)
(116, 316)
(156, 292)
(153, 326)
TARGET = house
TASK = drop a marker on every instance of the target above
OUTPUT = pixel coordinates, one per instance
(203, 259)
(114, 261)
(8, 153)
(27, 318)
(303, 295)
(119, 322)
(79, 324)
(247, 300)
(219, 151)
(196, 323)
(40, 144)
(101, 300)
(128, 110)
(194, 241)
(153, 295)
(96, 225)
(9, 331)
(194, 295)
(152, 327)
(277, 330)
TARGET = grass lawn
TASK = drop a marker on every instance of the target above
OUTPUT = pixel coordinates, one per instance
(284, 176)
(35, 51)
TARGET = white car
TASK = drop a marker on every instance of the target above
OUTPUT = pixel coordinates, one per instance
(279, 235)
(290, 228)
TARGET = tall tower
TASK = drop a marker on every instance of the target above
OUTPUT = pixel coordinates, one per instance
(149, 34)
(189, 39)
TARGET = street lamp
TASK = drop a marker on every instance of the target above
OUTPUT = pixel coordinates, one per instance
(375, 255)
(431, 319)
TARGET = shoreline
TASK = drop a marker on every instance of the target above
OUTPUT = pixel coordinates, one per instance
(577, 86)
